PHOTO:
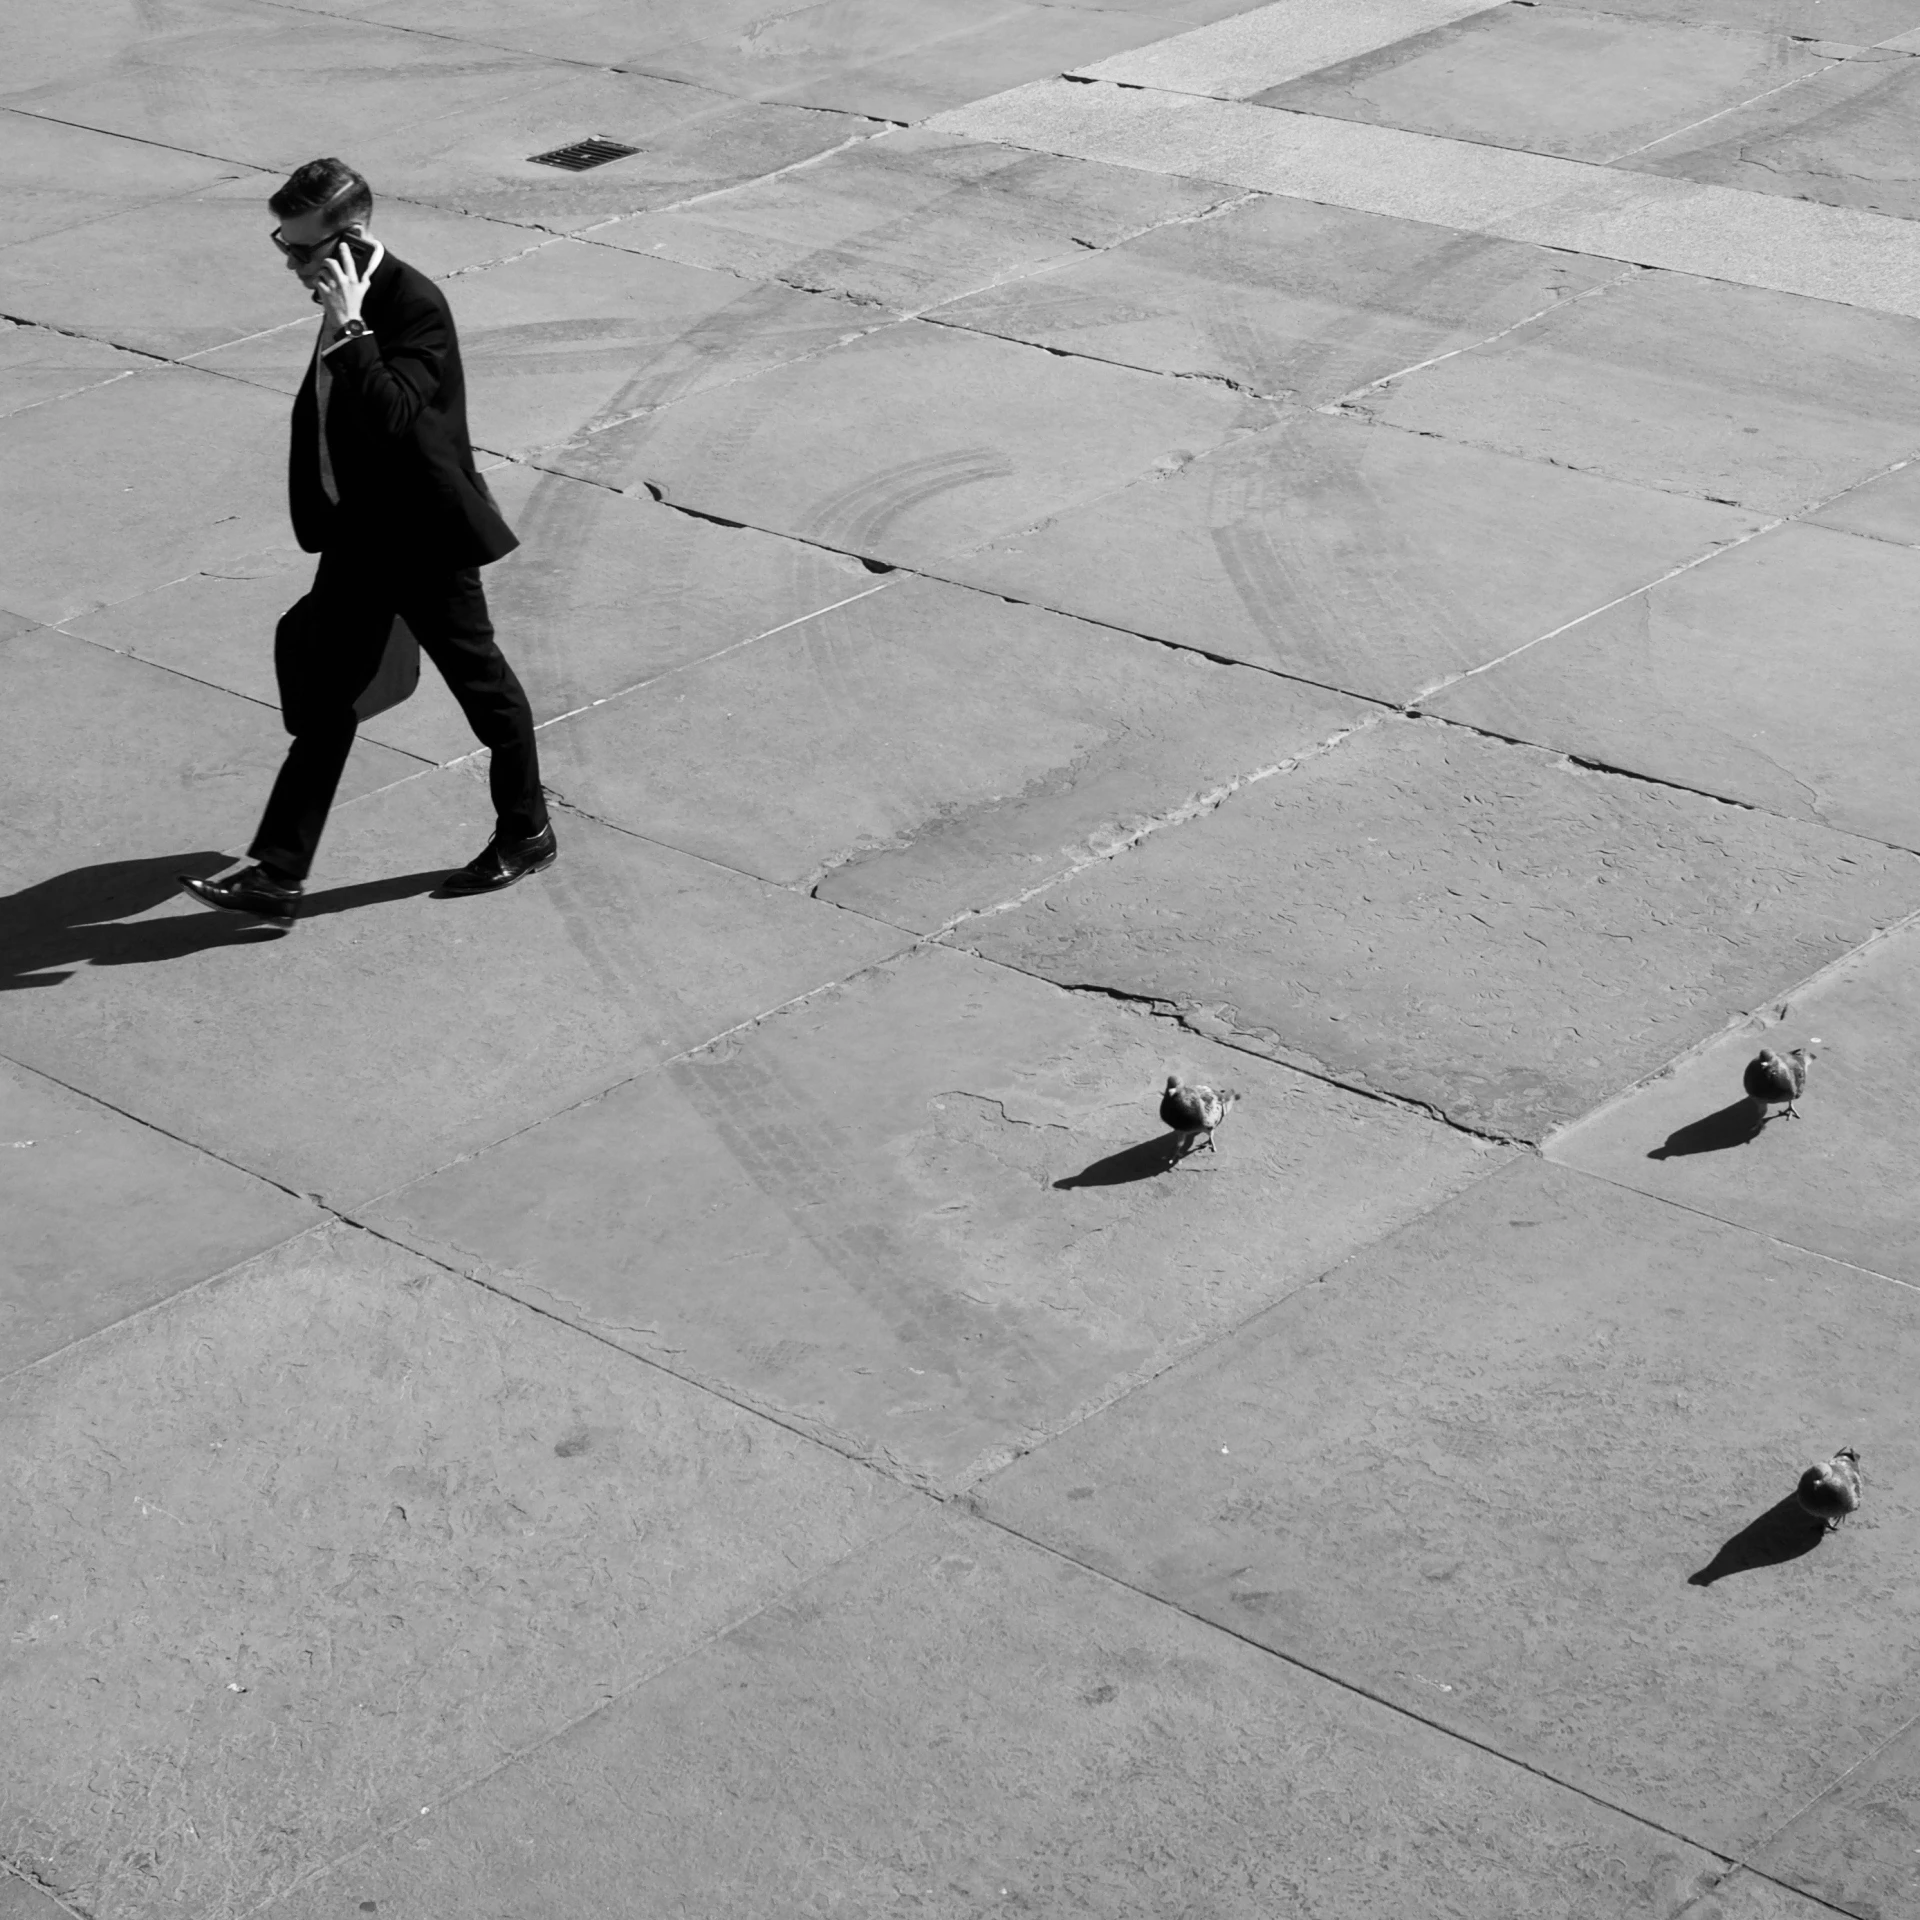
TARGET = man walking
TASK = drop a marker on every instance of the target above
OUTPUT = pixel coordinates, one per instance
(383, 488)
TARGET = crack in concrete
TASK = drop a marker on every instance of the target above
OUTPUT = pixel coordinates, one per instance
(1739, 106)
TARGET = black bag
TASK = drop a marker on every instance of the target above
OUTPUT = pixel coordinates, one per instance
(310, 653)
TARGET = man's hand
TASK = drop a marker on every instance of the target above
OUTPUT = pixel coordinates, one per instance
(341, 289)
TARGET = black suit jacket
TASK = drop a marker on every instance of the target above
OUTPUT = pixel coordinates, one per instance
(397, 437)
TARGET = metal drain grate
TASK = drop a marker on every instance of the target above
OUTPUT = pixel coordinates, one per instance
(594, 151)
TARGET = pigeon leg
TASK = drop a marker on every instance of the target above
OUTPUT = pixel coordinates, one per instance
(1792, 1112)
(1211, 1148)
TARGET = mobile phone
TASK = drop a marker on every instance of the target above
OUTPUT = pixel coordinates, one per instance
(359, 248)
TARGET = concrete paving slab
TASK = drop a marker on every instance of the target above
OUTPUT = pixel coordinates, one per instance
(1826, 253)
(125, 486)
(1885, 508)
(19, 1901)
(37, 365)
(403, 1030)
(1841, 139)
(1376, 561)
(105, 1217)
(1284, 297)
(1834, 1181)
(1478, 927)
(914, 442)
(927, 751)
(1583, 85)
(1240, 56)
(272, 86)
(575, 338)
(911, 219)
(58, 176)
(1754, 398)
(930, 1213)
(1029, 43)
(1742, 1895)
(1502, 1471)
(184, 766)
(1858, 22)
(118, 278)
(741, 47)
(959, 1723)
(1854, 1847)
(1761, 677)
(336, 1536)
(46, 46)
(689, 141)
(605, 591)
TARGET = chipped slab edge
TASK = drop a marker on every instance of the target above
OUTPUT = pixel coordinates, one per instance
(1836, 254)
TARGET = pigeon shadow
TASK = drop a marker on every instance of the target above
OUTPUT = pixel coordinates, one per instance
(1782, 1533)
(1140, 1162)
(84, 918)
(1732, 1126)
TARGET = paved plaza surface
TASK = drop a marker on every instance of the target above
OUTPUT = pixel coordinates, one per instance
(1359, 550)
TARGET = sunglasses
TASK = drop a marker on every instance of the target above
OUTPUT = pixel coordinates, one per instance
(305, 255)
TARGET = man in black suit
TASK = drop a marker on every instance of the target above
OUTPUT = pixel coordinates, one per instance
(384, 489)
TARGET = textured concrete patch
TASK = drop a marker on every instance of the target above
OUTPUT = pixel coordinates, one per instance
(189, 768)
(1504, 1471)
(105, 1217)
(1670, 381)
(1029, 43)
(1885, 508)
(914, 442)
(1238, 57)
(926, 751)
(1835, 1180)
(605, 591)
(1583, 85)
(1464, 923)
(1855, 1846)
(1859, 22)
(119, 278)
(43, 47)
(391, 1031)
(153, 432)
(958, 1723)
(912, 218)
(575, 338)
(271, 87)
(930, 1213)
(741, 47)
(1284, 297)
(1827, 253)
(1761, 677)
(1376, 561)
(37, 365)
(59, 176)
(338, 1535)
(1843, 139)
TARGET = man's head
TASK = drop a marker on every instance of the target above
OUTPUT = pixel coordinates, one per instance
(319, 202)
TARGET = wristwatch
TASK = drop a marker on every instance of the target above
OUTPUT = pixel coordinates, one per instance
(352, 329)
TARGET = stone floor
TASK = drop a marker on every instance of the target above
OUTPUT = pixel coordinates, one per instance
(1353, 548)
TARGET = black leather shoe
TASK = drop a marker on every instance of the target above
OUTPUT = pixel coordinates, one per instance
(250, 892)
(504, 862)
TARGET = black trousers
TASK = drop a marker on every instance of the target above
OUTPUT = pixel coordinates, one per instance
(447, 611)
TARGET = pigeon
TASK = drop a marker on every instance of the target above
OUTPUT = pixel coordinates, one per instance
(1831, 1492)
(1194, 1112)
(1773, 1081)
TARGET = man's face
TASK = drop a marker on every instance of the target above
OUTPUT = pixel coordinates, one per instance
(306, 243)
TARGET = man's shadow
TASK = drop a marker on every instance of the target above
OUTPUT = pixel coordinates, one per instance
(1782, 1533)
(1732, 1126)
(79, 918)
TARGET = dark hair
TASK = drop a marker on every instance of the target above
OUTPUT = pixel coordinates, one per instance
(329, 186)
